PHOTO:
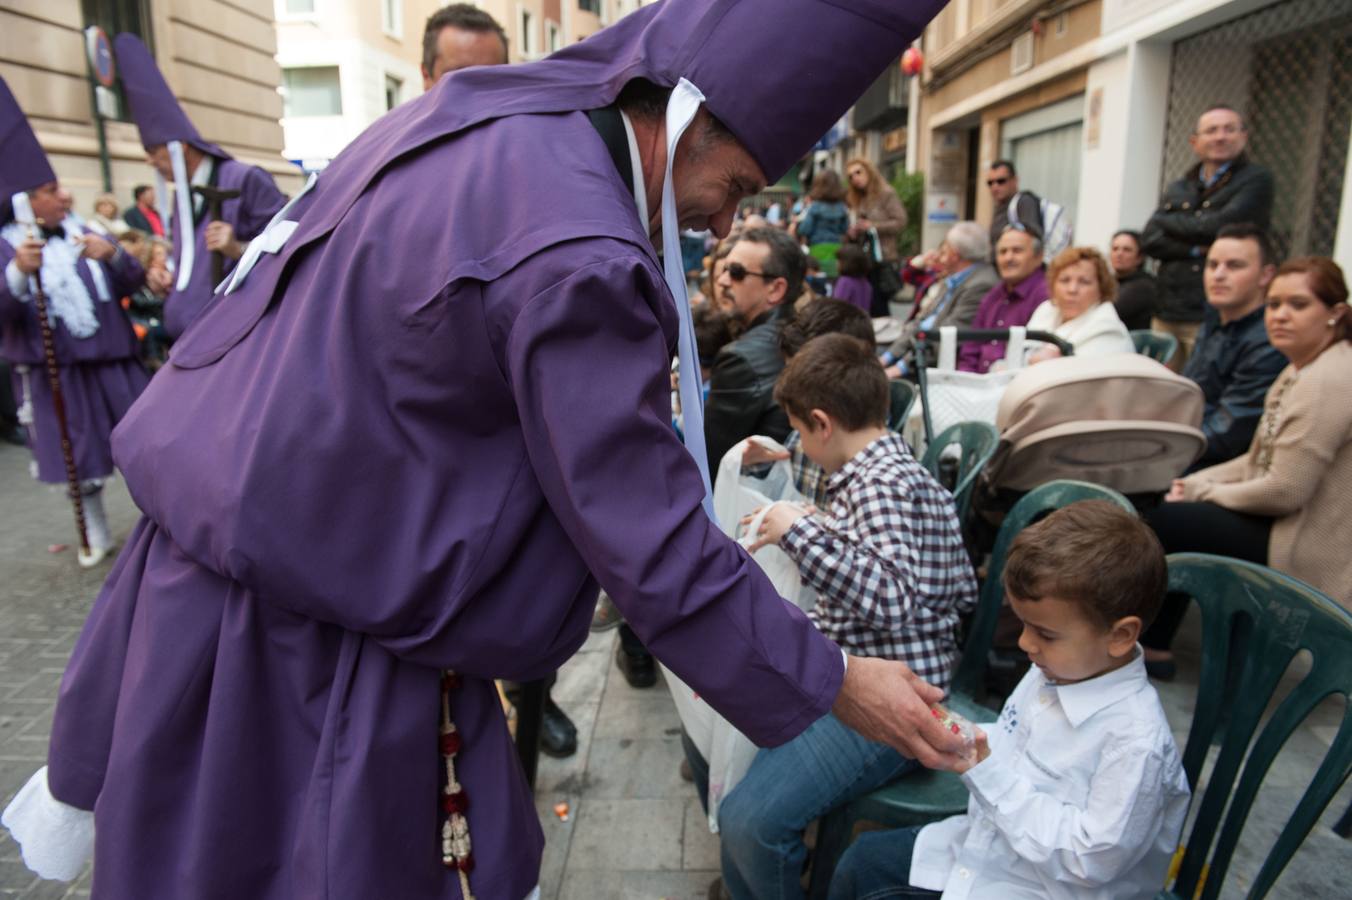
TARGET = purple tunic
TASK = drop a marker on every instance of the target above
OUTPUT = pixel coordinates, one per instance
(100, 375)
(248, 213)
(415, 439)
(1002, 307)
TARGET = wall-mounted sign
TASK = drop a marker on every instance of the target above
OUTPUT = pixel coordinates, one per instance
(941, 207)
(100, 52)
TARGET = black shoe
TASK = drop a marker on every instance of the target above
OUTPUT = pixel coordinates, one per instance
(558, 734)
(638, 669)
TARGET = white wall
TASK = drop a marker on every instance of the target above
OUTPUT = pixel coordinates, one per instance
(1120, 177)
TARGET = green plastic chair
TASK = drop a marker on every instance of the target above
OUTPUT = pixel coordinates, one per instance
(928, 796)
(826, 255)
(1157, 346)
(903, 399)
(977, 442)
(1254, 622)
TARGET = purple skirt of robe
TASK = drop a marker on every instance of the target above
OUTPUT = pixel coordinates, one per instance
(97, 395)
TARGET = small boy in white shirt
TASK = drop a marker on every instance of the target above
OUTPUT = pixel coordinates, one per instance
(1078, 790)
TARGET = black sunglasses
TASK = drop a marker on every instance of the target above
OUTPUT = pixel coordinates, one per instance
(992, 182)
(738, 272)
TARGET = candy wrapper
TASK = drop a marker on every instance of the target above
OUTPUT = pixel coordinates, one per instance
(959, 726)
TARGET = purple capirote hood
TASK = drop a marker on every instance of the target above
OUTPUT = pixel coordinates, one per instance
(777, 73)
(154, 107)
(23, 164)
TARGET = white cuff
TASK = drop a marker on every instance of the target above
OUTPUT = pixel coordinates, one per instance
(18, 281)
(56, 839)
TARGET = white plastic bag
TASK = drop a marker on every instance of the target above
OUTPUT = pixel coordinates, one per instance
(728, 751)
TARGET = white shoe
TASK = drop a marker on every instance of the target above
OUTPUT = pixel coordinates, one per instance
(93, 557)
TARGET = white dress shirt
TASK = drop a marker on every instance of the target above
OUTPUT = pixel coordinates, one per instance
(1083, 795)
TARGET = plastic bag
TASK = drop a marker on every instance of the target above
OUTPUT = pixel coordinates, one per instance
(728, 751)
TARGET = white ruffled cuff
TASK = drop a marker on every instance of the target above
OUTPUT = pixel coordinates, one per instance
(56, 839)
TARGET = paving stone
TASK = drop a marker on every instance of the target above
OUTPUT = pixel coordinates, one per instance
(627, 835)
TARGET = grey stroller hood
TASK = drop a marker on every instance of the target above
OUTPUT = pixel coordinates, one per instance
(1122, 420)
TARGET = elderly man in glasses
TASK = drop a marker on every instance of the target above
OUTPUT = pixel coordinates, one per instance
(762, 278)
(1003, 181)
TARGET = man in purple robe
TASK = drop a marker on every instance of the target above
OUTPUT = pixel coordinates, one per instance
(84, 277)
(413, 432)
(178, 153)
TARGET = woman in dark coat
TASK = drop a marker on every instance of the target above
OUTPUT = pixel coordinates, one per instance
(1137, 291)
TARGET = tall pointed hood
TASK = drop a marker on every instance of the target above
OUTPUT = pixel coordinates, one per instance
(154, 107)
(23, 164)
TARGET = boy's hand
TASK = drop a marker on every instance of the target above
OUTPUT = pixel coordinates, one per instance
(755, 453)
(983, 751)
(776, 522)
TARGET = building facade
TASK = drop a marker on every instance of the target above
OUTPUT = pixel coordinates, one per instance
(218, 58)
(345, 63)
(1094, 100)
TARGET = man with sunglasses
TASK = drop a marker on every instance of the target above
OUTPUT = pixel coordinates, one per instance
(762, 278)
(1003, 181)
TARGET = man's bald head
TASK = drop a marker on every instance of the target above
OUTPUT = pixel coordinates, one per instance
(457, 37)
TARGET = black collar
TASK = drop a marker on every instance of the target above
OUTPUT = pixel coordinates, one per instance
(610, 126)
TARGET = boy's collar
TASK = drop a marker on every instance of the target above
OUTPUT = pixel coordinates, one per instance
(1083, 699)
(878, 447)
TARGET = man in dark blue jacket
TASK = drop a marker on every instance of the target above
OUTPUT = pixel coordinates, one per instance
(1233, 362)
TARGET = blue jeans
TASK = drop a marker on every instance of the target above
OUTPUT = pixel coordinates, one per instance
(761, 821)
(878, 865)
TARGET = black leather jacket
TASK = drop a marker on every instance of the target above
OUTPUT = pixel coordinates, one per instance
(1180, 231)
(1234, 365)
(741, 390)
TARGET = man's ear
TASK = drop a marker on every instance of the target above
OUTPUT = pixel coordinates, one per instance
(1123, 635)
(777, 291)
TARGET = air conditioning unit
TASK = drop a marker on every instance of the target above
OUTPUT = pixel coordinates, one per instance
(1021, 53)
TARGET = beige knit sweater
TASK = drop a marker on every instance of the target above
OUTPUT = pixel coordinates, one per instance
(1305, 438)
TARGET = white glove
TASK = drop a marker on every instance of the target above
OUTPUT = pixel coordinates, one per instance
(56, 839)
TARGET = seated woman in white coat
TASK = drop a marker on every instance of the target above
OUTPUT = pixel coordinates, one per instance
(1080, 309)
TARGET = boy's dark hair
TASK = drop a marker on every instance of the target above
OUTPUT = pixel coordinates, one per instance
(461, 16)
(852, 260)
(137, 191)
(824, 316)
(1094, 554)
(841, 376)
(1247, 231)
(713, 331)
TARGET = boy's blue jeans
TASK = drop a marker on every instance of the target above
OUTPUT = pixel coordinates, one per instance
(878, 866)
(761, 822)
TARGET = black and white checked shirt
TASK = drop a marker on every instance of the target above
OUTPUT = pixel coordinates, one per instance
(887, 561)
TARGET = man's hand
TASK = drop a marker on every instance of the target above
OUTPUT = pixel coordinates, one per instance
(92, 246)
(894, 371)
(159, 280)
(885, 701)
(756, 453)
(776, 522)
(221, 239)
(1175, 491)
(28, 256)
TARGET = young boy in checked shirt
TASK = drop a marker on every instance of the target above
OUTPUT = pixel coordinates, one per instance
(892, 578)
(1078, 791)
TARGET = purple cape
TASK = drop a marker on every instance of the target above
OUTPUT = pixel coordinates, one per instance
(416, 439)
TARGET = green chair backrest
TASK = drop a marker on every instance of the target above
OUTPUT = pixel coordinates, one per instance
(826, 255)
(1157, 346)
(1254, 622)
(903, 399)
(976, 442)
(1032, 506)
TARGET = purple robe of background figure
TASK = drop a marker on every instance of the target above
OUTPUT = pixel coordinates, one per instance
(162, 125)
(416, 439)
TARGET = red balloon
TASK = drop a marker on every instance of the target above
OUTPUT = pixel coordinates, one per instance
(912, 61)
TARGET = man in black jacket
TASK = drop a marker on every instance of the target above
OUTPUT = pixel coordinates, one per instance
(1233, 362)
(762, 277)
(1222, 189)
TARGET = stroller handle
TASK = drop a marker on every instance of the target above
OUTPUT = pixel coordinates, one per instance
(973, 334)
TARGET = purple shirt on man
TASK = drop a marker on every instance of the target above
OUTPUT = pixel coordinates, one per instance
(416, 439)
(1002, 307)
